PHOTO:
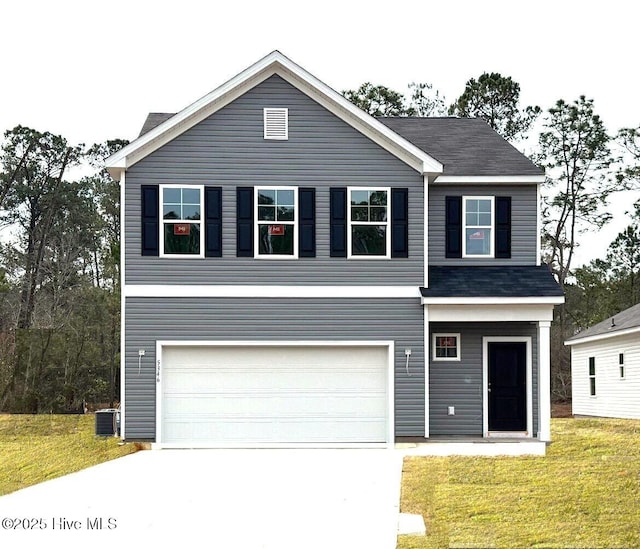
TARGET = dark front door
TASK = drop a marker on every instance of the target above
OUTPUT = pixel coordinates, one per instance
(507, 386)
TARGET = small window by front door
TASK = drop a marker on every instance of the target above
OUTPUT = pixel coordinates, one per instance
(446, 347)
(592, 376)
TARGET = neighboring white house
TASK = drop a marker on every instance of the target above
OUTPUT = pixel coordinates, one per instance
(605, 367)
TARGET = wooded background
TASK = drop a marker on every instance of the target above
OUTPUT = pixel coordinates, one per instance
(60, 237)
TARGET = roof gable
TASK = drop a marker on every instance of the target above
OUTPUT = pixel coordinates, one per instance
(274, 63)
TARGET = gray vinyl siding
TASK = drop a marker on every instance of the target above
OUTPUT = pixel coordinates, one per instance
(524, 208)
(236, 319)
(228, 150)
(459, 384)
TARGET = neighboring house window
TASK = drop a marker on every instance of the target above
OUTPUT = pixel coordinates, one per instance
(182, 234)
(368, 234)
(276, 219)
(276, 124)
(592, 376)
(621, 364)
(446, 346)
(478, 230)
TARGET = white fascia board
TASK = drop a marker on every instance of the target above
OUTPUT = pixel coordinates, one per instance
(253, 291)
(491, 313)
(490, 179)
(600, 337)
(493, 300)
(274, 63)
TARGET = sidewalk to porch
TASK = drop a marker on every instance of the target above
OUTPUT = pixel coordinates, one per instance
(472, 446)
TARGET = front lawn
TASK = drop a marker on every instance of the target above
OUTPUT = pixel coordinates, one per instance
(34, 448)
(584, 493)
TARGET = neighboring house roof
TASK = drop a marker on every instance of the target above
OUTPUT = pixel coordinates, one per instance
(622, 323)
(503, 282)
(154, 119)
(274, 63)
(465, 146)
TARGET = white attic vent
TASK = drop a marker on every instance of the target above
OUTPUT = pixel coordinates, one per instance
(276, 123)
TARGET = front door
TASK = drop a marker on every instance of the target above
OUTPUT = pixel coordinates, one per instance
(507, 386)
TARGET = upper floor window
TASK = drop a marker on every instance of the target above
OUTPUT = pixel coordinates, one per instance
(181, 233)
(478, 230)
(369, 234)
(276, 220)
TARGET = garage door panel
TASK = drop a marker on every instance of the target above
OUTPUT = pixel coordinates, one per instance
(253, 395)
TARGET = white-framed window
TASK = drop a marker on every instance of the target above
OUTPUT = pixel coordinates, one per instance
(276, 215)
(446, 346)
(369, 233)
(621, 365)
(478, 218)
(592, 376)
(181, 209)
(276, 123)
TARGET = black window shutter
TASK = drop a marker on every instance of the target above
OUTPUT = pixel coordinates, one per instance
(213, 221)
(503, 227)
(338, 217)
(244, 221)
(150, 210)
(307, 237)
(453, 224)
(399, 222)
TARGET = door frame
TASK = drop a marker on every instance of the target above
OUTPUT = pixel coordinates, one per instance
(389, 344)
(485, 386)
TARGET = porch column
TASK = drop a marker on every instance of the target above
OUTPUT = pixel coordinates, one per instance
(544, 381)
(426, 370)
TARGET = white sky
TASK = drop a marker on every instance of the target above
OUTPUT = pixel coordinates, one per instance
(91, 70)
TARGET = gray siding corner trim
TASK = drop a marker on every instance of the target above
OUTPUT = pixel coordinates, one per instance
(151, 319)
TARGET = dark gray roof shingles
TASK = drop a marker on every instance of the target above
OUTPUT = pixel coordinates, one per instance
(624, 320)
(465, 146)
(504, 281)
(154, 119)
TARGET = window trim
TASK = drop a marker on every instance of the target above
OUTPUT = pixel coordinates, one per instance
(387, 224)
(492, 251)
(435, 358)
(163, 221)
(592, 377)
(257, 222)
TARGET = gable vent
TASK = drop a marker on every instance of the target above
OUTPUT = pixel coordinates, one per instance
(276, 123)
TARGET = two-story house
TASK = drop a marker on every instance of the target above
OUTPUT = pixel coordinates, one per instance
(297, 272)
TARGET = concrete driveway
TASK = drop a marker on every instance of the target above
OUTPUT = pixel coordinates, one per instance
(216, 498)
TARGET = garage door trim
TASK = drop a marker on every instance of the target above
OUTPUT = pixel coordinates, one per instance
(278, 343)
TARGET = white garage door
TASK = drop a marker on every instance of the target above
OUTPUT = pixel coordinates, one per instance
(261, 395)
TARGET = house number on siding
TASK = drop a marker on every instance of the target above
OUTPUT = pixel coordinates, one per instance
(158, 372)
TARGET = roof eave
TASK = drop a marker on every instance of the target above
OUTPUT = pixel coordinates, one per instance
(511, 300)
(274, 63)
(491, 179)
(575, 340)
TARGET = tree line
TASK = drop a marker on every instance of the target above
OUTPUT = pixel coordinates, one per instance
(60, 237)
(59, 274)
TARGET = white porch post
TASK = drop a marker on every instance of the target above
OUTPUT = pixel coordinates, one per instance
(544, 381)
(426, 370)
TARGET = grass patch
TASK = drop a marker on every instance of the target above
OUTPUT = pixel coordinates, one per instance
(35, 448)
(584, 493)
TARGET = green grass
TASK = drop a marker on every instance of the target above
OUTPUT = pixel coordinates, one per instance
(584, 493)
(34, 448)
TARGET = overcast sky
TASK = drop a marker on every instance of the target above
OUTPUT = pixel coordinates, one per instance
(91, 70)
